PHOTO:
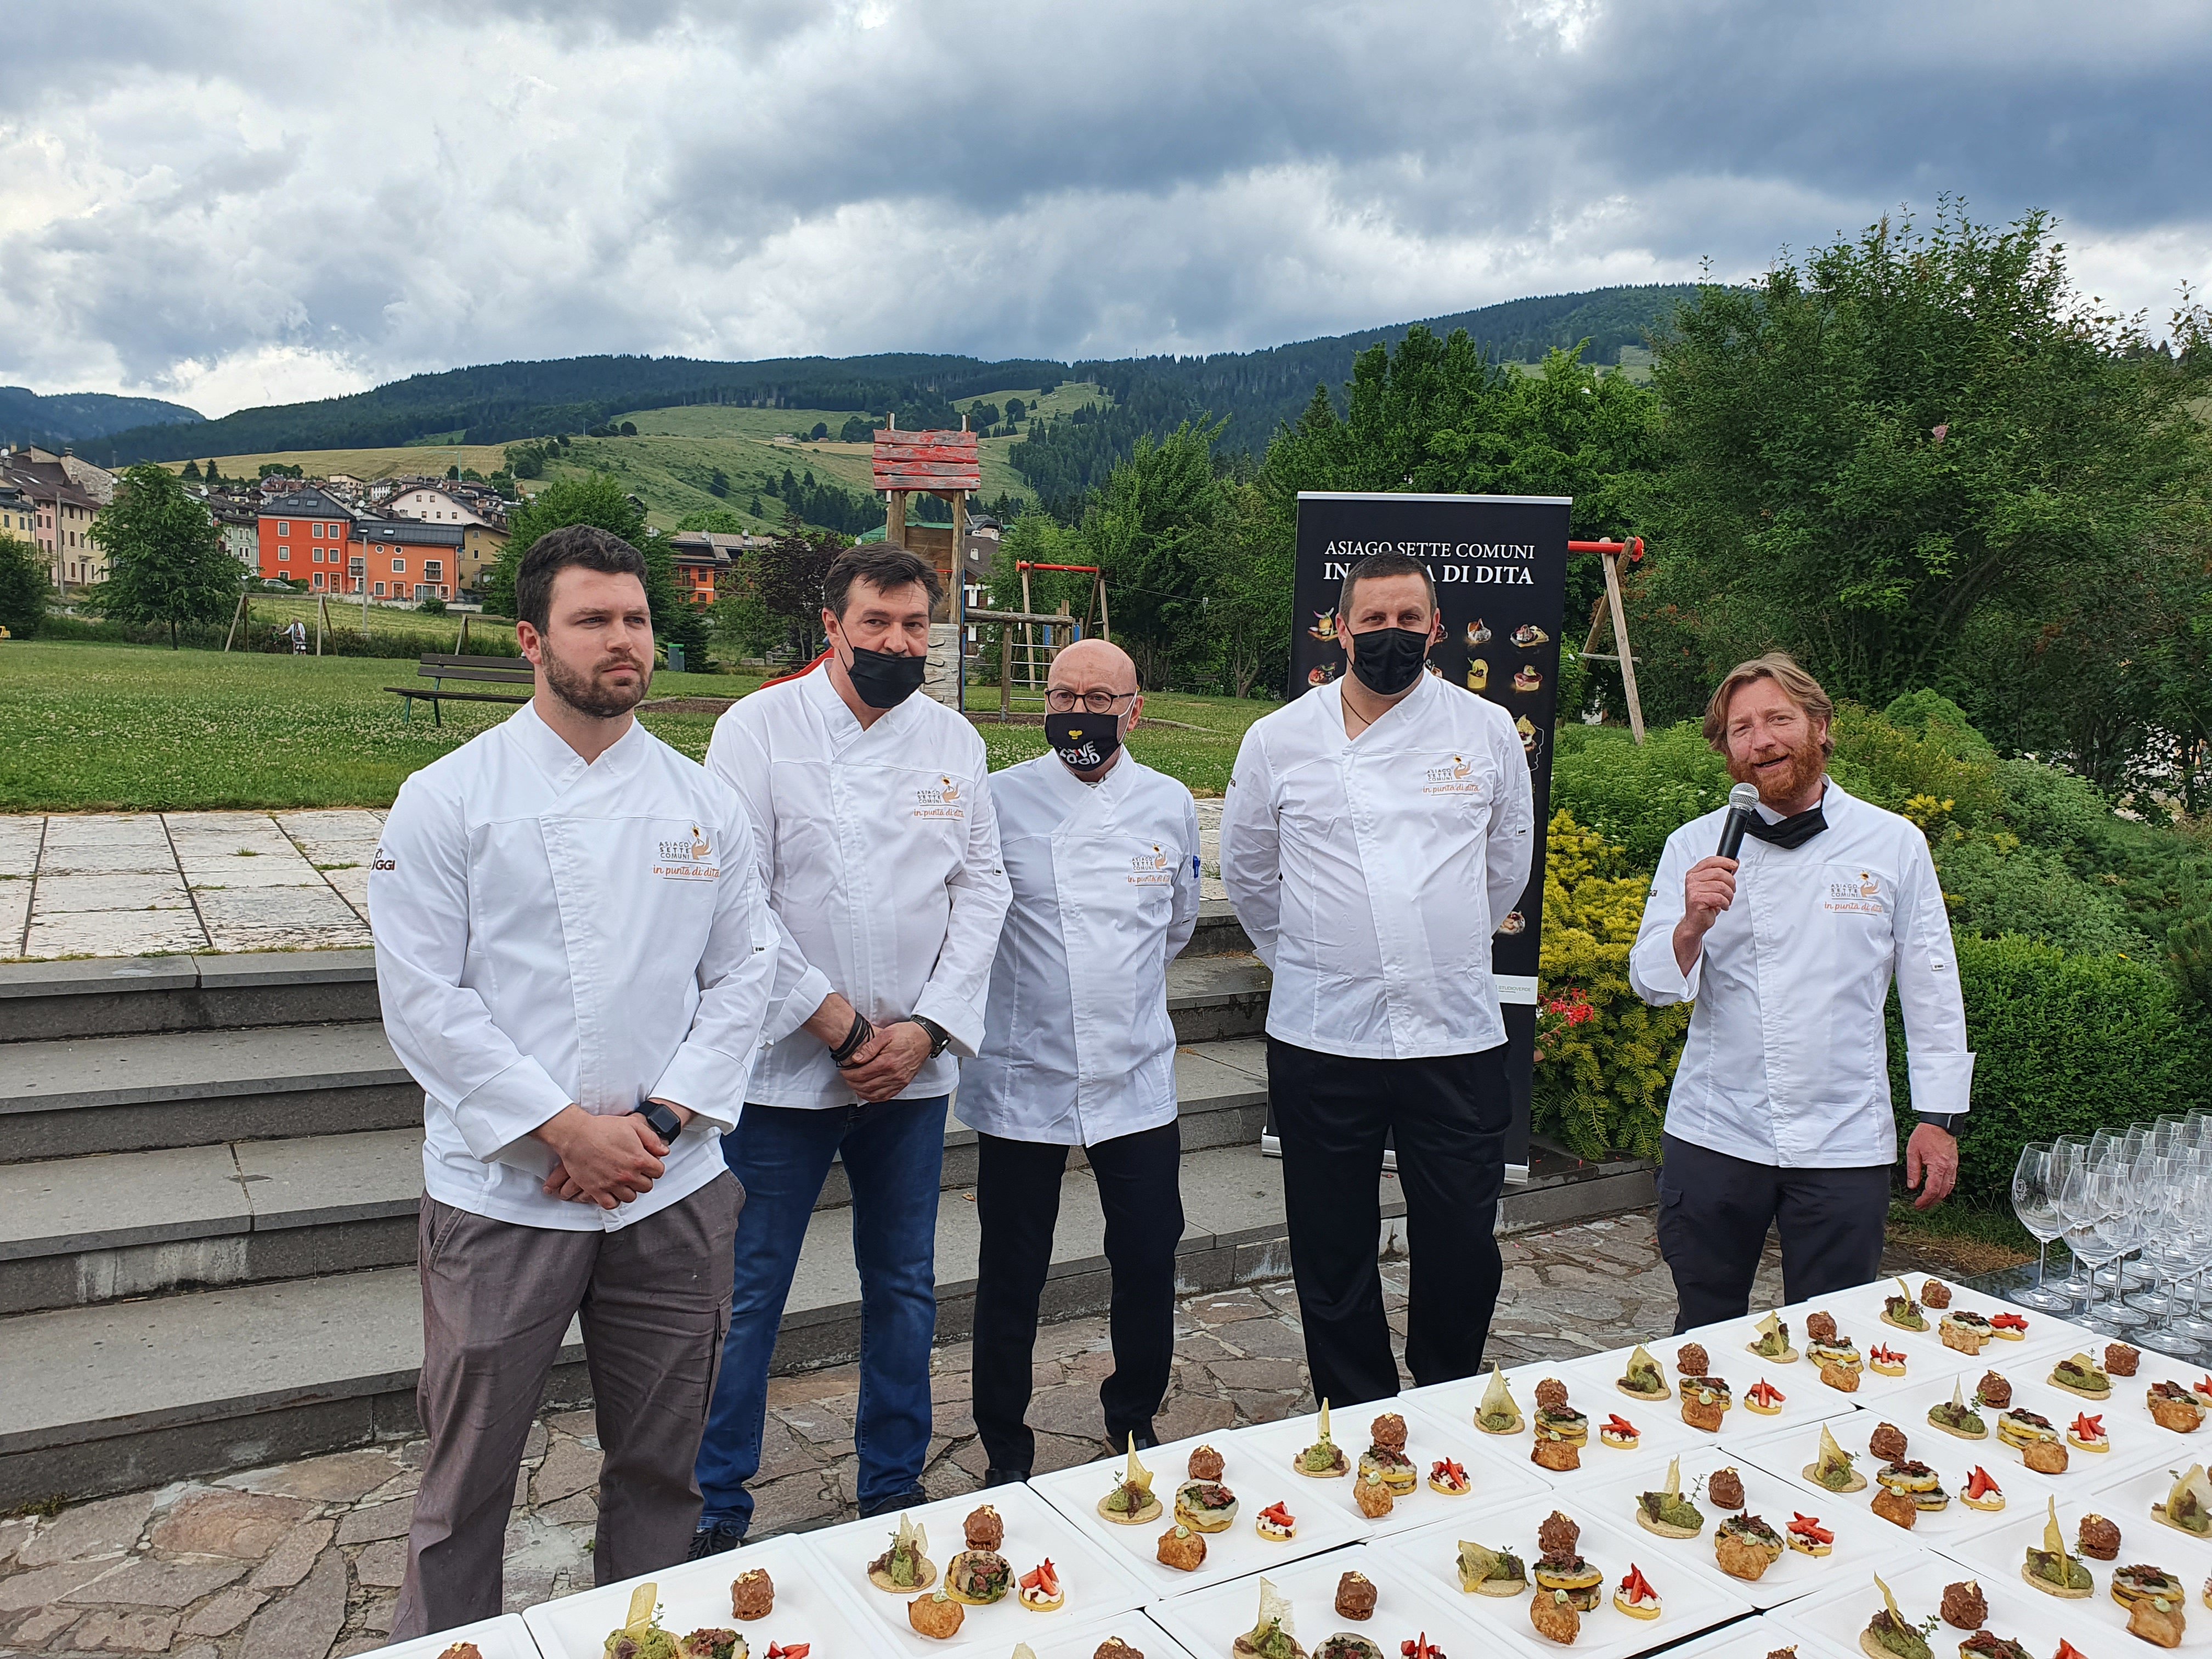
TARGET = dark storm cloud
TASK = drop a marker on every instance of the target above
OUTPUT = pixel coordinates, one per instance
(238, 203)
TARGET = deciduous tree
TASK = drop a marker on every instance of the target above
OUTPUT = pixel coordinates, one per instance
(166, 560)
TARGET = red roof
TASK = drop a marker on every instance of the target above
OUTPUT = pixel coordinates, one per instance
(927, 460)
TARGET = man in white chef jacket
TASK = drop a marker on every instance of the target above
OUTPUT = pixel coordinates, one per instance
(879, 852)
(1376, 831)
(573, 955)
(1078, 1048)
(1780, 1111)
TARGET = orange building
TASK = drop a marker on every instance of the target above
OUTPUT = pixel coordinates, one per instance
(406, 559)
(308, 535)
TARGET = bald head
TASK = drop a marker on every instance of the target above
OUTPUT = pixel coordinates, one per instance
(1093, 664)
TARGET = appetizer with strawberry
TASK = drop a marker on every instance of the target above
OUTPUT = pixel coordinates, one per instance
(1887, 1362)
(1276, 1523)
(1807, 1536)
(1635, 1597)
(1448, 1478)
(2089, 1433)
(1981, 1493)
(1617, 1433)
(1763, 1398)
(1040, 1590)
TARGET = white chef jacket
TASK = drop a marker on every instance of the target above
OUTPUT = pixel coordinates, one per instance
(549, 932)
(879, 855)
(1078, 1046)
(1788, 1059)
(1370, 874)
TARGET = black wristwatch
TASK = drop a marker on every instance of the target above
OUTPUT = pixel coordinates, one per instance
(662, 1119)
(939, 1038)
(1947, 1121)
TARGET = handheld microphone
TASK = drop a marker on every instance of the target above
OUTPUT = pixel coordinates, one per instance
(1741, 799)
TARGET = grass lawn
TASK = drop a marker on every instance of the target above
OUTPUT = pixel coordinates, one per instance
(436, 633)
(411, 460)
(107, 727)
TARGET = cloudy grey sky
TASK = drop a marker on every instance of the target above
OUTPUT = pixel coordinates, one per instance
(230, 204)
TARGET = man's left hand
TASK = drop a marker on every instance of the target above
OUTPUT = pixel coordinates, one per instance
(1931, 1153)
(903, 1050)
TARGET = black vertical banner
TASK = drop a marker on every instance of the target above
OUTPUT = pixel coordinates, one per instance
(1500, 565)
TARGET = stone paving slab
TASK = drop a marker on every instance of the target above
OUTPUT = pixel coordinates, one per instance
(149, 884)
(56, 1204)
(302, 1559)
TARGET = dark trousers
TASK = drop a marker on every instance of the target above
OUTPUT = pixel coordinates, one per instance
(1447, 1117)
(654, 1299)
(1018, 1202)
(1714, 1212)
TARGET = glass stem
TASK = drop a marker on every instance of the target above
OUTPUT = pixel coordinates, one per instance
(2042, 1255)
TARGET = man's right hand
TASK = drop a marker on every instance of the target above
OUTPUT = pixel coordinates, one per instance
(604, 1160)
(1708, 889)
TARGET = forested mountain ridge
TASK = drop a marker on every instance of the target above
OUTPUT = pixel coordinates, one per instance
(72, 417)
(497, 403)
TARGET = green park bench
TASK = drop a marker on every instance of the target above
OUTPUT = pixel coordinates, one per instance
(437, 669)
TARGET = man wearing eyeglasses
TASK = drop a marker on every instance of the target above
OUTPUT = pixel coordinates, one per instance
(1078, 1049)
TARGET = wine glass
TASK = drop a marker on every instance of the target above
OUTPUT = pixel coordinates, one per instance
(2134, 1142)
(2069, 1152)
(2081, 1206)
(2122, 1229)
(2152, 1177)
(2035, 1202)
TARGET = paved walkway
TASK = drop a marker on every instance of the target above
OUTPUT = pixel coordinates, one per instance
(304, 1560)
(162, 883)
(153, 884)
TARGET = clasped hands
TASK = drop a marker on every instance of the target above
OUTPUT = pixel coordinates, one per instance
(881, 1067)
(604, 1158)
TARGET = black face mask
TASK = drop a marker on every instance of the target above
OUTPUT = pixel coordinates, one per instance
(1084, 741)
(1389, 659)
(885, 680)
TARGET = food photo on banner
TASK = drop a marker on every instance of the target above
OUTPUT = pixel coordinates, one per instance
(1500, 566)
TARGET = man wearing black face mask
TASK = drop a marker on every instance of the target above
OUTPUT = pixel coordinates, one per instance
(1078, 1049)
(879, 853)
(1376, 831)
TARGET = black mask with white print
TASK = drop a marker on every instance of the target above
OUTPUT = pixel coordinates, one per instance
(1084, 741)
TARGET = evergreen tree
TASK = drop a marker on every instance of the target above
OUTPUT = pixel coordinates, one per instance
(193, 471)
(597, 499)
(166, 560)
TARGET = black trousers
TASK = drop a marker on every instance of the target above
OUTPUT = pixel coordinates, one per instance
(1018, 1202)
(1446, 1118)
(1714, 1212)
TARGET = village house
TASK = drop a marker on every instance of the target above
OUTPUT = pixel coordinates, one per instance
(703, 559)
(306, 534)
(62, 511)
(404, 558)
(483, 528)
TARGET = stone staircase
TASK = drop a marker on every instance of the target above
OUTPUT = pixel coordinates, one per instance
(210, 1166)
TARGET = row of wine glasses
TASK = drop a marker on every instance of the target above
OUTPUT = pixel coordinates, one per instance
(2143, 1189)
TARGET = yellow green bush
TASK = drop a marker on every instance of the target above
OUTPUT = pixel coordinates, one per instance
(1604, 1058)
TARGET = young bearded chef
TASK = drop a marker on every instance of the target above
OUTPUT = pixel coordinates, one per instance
(574, 955)
(1376, 833)
(1779, 1112)
(879, 852)
(1078, 1048)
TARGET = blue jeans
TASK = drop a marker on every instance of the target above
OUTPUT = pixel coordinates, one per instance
(894, 1155)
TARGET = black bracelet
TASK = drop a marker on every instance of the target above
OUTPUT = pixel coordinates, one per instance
(860, 1032)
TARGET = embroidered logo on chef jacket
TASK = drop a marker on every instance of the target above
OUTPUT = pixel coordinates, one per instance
(1152, 869)
(1455, 779)
(684, 858)
(942, 802)
(1862, 897)
(383, 861)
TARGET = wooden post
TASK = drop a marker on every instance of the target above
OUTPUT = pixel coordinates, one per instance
(322, 619)
(1620, 644)
(1005, 671)
(1029, 637)
(461, 645)
(1104, 632)
(894, 522)
(235, 617)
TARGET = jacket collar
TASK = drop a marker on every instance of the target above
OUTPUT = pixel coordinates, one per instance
(549, 752)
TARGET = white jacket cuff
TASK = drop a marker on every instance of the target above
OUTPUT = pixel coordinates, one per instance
(1659, 979)
(963, 1021)
(707, 1083)
(1940, 1083)
(501, 1113)
(811, 991)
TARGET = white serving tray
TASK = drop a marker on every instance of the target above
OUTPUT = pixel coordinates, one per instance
(1691, 1600)
(2135, 1439)
(1590, 1391)
(504, 1638)
(1828, 1622)
(1494, 1475)
(1753, 1638)
(1805, 1400)
(695, 1595)
(1258, 1480)
(1861, 1540)
(1786, 1454)
(1208, 1621)
(1997, 1558)
(1097, 1581)
(2125, 1501)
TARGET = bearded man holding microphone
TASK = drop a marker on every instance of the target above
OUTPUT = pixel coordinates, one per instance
(1787, 939)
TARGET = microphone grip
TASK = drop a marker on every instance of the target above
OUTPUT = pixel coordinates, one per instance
(1732, 831)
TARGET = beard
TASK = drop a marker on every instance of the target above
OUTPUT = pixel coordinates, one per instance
(584, 693)
(1796, 780)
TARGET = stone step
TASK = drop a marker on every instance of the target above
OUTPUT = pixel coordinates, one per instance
(112, 996)
(129, 1394)
(71, 1096)
(80, 1231)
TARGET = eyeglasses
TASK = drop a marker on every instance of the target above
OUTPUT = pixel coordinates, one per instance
(1098, 702)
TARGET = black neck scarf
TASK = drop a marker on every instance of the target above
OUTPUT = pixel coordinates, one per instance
(1786, 833)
